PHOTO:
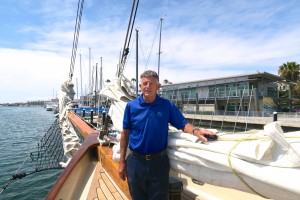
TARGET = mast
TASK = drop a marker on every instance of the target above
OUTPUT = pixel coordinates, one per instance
(96, 84)
(137, 62)
(101, 77)
(100, 86)
(77, 87)
(90, 71)
(80, 80)
(159, 51)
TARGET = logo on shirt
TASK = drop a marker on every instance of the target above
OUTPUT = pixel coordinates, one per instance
(159, 114)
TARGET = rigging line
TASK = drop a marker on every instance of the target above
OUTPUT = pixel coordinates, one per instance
(129, 55)
(251, 93)
(203, 111)
(197, 101)
(133, 22)
(226, 107)
(239, 109)
(215, 103)
(14, 175)
(125, 50)
(125, 43)
(152, 44)
(76, 35)
(141, 47)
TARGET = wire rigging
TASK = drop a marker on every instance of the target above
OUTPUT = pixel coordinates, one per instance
(125, 50)
(153, 44)
(76, 36)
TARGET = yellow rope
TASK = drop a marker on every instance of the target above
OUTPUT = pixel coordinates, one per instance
(237, 175)
(239, 140)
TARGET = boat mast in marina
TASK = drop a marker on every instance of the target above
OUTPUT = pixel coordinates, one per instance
(137, 63)
(159, 49)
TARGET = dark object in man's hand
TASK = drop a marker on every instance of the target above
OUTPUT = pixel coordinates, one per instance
(210, 137)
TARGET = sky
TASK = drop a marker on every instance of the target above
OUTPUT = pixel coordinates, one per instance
(200, 39)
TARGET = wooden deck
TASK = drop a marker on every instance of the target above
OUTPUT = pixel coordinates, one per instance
(103, 187)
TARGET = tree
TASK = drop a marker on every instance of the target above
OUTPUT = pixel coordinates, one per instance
(165, 82)
(289, 71)
(297, 89)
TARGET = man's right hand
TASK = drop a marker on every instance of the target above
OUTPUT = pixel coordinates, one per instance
(122, 171)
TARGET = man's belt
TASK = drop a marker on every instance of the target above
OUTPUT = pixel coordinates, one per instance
(148, 156)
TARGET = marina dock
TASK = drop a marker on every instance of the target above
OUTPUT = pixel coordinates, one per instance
(288, 122)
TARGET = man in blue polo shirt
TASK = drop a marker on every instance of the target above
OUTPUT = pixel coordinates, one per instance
(145, 131)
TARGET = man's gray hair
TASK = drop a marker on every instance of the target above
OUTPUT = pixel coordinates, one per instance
(148, 74)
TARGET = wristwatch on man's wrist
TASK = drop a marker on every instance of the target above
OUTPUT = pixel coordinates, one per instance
(193, 132)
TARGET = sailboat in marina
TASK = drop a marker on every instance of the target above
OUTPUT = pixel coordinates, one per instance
(257, 164)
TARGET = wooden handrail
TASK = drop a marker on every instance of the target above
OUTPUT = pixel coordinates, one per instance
(81, 125)
(90, 142)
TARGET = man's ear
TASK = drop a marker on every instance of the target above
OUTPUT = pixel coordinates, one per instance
(158, 85)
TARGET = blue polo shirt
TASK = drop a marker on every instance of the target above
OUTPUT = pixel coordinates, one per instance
(148, 124)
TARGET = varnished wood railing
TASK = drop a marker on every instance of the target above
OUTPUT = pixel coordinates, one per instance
(90, 142)
(81, 125)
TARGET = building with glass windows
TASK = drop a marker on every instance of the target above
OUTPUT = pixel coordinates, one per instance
(243, 93)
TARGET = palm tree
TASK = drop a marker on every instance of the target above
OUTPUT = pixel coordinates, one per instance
(289, 71)
(165, 82)
(297, 89)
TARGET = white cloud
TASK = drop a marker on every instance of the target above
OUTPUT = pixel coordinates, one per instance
(200, 40)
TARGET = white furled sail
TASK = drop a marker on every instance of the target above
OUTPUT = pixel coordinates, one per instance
(261, 162)
(70, 139)
(119, 91)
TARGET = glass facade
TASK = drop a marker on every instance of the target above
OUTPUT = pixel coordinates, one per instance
(220, 91)
(224, 94)
(179, 94)
(230, 90)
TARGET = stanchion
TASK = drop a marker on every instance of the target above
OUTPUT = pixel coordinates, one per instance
(274, 116)
(92, 116)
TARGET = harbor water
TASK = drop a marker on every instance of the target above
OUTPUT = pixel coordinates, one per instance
(21, 128)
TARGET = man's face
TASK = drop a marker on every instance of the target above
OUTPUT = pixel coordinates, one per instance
(149, 86)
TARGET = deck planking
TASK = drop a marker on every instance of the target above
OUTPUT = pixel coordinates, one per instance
(103, 187)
